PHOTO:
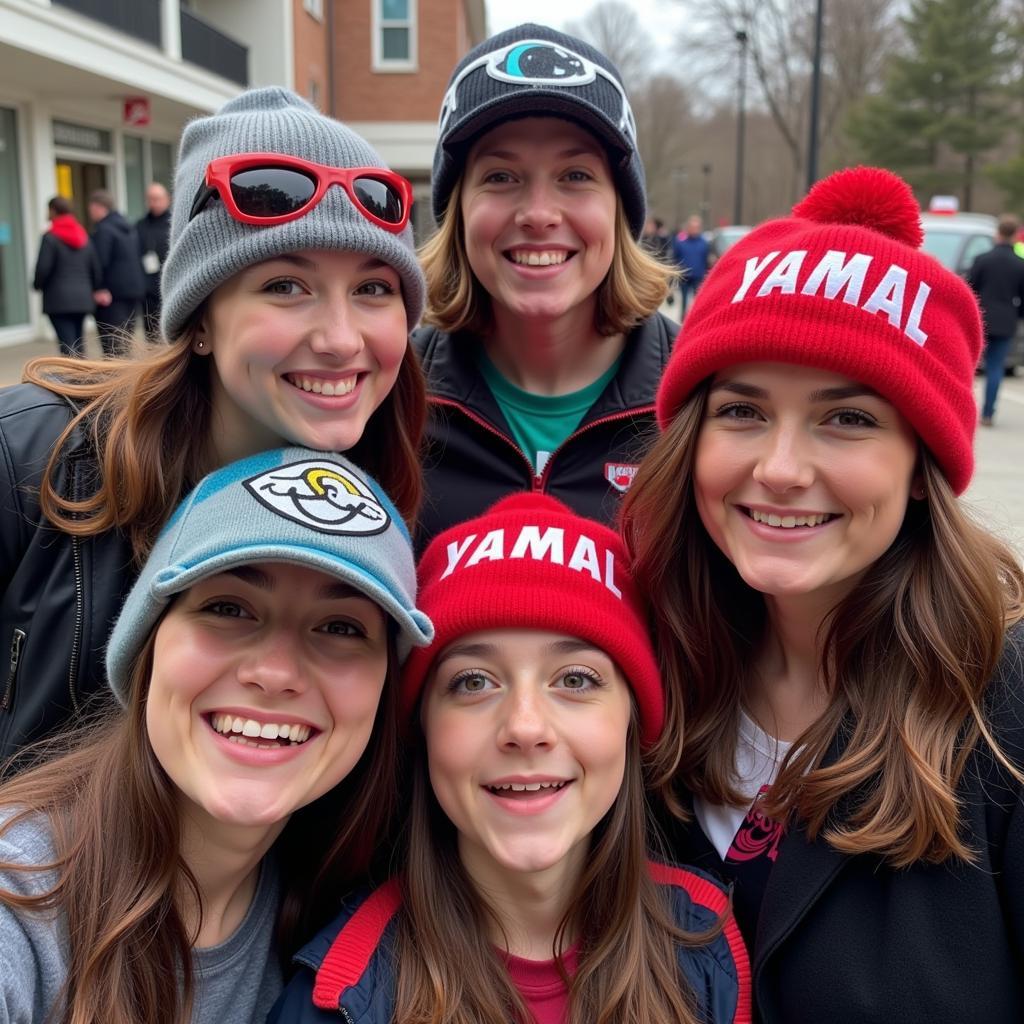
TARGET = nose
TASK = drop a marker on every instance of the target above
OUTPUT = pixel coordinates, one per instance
(785, 461)
(525, 725)
(539, 208)
(335, 331)
(273, 665)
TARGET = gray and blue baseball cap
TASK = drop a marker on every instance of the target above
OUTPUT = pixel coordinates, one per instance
(289, 505)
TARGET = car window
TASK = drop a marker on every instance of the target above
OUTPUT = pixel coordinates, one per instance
(943, 245)
(976, 245)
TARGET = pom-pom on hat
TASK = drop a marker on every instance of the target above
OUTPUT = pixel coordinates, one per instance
(208, 249)
(534, 71)
(289, 505)
(529, 562)
(842, 285)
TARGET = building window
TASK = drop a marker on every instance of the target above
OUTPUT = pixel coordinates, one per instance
(315, 8)
(314, 93)
(394, 35)
(134, 177)
(13, 276)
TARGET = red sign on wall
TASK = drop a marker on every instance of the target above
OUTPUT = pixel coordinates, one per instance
(136, 110)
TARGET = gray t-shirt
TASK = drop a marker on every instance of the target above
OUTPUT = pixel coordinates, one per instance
(235, 982)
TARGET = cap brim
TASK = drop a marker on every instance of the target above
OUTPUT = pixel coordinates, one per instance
(415, 629)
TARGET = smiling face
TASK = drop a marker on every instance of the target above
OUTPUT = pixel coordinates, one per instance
(802, 477)
(264, 690)
(538, 205)
(526, 746)
(305, 348)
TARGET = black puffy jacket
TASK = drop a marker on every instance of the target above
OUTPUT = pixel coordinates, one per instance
(117, 247)
(66, 276)
(59, 594)
(472, 460)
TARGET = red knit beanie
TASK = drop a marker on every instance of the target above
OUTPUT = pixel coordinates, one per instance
(843, 286)
(529, 562)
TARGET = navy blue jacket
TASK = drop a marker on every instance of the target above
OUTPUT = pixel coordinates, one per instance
(117, 247)
(347, 971)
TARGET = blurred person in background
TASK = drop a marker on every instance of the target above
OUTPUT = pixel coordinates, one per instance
(692, 253)
(154, 231)
(67, 273)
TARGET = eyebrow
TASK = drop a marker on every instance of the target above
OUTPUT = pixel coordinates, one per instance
(823, 395)
(332, 591)
(565, 154)
(290, 257)
(570, 645)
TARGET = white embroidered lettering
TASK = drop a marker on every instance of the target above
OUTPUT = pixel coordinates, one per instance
(888, 295)
(455, 553)
(584, 558)
(836, 272)
(492, 547)
(783, 277)
(913, 329)
(751, 271)
(534, 544)
(609, 574)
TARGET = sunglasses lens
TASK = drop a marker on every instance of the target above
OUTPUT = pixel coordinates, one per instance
(379, 198)
(271, 191)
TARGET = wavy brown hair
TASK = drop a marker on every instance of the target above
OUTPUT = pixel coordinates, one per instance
(634, 287)
(149, 420)
(121, 880)
(906, 659)
(628, 969)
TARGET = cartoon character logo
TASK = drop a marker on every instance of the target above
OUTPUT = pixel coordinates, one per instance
(620, 474)
(542, 61)
(322, 495)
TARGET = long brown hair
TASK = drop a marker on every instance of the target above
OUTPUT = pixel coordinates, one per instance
(121, 880)
(149, 420)
(628, 969)
(906, 660)
(634, 287)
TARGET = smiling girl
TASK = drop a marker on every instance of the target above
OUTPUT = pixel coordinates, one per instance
(159, 869)
(841, 643)
(527, 894)
(289, 292)
(544, 345)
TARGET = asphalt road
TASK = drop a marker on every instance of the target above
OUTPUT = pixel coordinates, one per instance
(996, 494)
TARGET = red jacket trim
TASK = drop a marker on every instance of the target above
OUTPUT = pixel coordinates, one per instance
(707, 894)
(346, 961)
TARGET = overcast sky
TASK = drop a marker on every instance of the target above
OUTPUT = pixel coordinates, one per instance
(661, 18)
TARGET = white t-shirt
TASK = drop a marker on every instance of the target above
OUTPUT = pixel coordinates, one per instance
(758, 757)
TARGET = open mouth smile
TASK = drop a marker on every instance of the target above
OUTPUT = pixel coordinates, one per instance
(805, 520)
(538, 257)
(323, 386)
(262, 735)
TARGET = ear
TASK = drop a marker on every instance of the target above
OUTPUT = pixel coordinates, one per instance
(917, 488)
(201, 342)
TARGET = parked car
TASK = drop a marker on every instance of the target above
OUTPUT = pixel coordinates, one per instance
(721, 238)
(955, 240)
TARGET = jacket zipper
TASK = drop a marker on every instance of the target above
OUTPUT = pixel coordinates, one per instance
(539, 481)
(626, 414)
(16, 641)
(76, 643)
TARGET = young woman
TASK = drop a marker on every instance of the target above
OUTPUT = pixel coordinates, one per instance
(841, 644)
(527, 894)
(545, 346)
(156, 870)
(289, 291)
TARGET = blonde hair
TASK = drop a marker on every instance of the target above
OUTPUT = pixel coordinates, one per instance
(636, 284)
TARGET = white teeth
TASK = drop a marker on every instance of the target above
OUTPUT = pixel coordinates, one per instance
(539, 259)
(788, 522)
(323, 387)
(526, 787)
(245, 729)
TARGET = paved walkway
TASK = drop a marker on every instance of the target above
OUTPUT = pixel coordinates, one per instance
(996, 494)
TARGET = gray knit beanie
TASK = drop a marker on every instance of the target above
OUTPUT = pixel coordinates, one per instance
(288, 505)
(531, 71)
(212, 247)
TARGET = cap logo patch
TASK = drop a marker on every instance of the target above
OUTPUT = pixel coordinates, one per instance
(842, 276)
(537, 62)
(321, 495)
(620, 474)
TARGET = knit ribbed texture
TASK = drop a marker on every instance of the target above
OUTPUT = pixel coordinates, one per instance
(212, 247)
(290, 505)
(918, 349)
(483, 101)
(530, 562)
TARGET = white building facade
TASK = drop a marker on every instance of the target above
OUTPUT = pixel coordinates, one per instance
(95, 93)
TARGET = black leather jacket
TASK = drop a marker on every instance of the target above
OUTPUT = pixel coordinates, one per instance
(59, 594)
(472, 460)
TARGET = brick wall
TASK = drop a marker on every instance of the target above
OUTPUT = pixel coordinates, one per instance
(362, 94)
(311, 55)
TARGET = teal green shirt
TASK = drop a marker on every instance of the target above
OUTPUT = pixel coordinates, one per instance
(540, 423)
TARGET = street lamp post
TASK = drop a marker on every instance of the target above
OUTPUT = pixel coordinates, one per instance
(741, 96)
(705, 204)
(679, 176)
(812, 142)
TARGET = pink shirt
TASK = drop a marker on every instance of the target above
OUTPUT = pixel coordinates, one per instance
(541, 986)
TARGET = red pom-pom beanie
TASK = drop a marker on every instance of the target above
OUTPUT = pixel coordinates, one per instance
(843, 286)
(530, 562)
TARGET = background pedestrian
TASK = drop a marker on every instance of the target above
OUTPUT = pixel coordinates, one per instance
(67, 273)
(691, 250)
(154, 231)
(121, 281)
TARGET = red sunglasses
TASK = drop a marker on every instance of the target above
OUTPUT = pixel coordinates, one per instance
(270, 188)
